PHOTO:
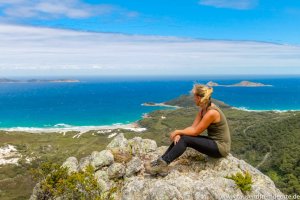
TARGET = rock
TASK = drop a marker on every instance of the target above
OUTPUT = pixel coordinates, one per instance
(201, 179)
(119, 141)
(132, 190)
(101, 159)
(134, 166)
(103, 180)
(103, 185)
(183, 184)
(72, 164)
(83, 163)
(36, 191)
(135, 146)
(116, 170)
(141, 146)
(121, 155)
(162, 190)
(101, 175)
(192, 176)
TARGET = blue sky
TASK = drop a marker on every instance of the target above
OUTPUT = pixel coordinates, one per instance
(266, 31)
(272, 21)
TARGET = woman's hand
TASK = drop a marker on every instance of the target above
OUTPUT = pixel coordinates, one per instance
(173, 134)
(176, 139)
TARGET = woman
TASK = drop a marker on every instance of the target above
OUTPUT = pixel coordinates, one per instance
(216, 144)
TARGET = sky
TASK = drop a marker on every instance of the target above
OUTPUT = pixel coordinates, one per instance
(130, 37)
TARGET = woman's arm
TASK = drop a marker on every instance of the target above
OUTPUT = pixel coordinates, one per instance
(207, 119)
(196, 120)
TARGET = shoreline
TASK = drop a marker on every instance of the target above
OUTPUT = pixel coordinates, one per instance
(250, 110)
(133, 126)
(81, 129)
(160, 105)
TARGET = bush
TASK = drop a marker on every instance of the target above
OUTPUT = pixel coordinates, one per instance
(54, 181)
(243, 182)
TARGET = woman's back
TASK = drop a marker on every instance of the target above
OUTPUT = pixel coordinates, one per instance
(220, 132)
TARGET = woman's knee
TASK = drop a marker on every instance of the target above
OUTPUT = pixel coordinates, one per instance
(185, 138)
(182, 138)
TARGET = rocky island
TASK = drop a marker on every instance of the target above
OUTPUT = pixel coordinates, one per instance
(240, 84)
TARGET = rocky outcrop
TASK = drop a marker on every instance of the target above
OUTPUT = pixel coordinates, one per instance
(192, 176)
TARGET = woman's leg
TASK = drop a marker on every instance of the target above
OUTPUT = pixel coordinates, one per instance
(169, 149)
(172, 145)
(202, 144)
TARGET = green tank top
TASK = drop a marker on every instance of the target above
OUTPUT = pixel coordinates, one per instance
(220, 133)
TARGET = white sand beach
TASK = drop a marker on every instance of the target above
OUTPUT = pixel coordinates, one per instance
(64, 128)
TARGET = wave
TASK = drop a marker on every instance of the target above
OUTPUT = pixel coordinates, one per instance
(271, 110)
(62, 125)
(63, 128)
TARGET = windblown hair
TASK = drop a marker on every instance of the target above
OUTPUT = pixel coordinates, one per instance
(204, 92)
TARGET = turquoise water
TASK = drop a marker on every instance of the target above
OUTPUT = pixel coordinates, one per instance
(99, 101)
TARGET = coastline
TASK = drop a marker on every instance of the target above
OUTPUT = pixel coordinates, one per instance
(250, 110)
(81, 129)
(64, 128)
(105, 129)
(160, 105)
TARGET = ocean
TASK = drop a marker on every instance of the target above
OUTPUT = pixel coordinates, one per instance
(97, 101)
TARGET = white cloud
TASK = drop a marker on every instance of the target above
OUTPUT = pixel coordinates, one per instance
(31, 50)
(234, 4)
(19, 9)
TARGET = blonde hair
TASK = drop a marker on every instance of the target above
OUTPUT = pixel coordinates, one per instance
(204, 92)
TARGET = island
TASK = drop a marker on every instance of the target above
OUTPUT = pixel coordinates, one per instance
(6, 80)
(53, 81)
(240, 84)
(211, 84)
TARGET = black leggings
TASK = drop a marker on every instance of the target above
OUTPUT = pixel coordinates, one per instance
(202, 144)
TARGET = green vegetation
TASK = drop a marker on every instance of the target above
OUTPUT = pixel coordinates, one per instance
(54, 181)
(242, 181)
(269, 141)
(16, 181)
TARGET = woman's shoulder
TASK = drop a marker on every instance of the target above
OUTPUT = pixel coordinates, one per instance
(213, 107)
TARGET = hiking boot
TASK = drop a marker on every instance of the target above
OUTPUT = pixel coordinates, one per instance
(157, 167)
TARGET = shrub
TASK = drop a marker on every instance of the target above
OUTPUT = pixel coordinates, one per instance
(54, 181)
(243, 182)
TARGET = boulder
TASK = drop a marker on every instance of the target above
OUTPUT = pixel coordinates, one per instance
(72, 164)
(101, 159)
(141, 146)
(116, 170)
(83, 163)
(134, 166)
(118, 141)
